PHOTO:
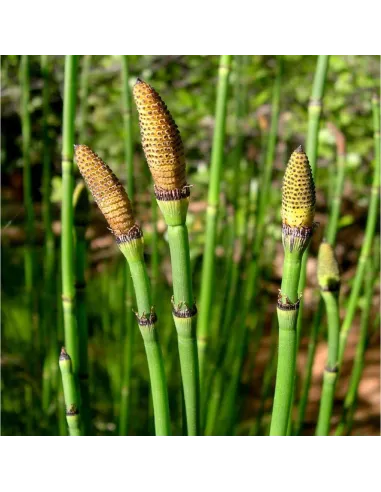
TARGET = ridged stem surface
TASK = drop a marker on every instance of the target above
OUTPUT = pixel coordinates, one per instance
(71, 395)
(207, 276)
(67, 245)
(287, 345)
(186, 327)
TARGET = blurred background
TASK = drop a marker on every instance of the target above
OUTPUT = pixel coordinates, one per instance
(31, 393)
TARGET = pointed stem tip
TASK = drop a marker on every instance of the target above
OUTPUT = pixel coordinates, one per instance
(300, 150)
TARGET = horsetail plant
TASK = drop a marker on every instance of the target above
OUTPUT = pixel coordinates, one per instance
(329, 283)
(208, 266)
(332, 227)
(115, 205)
(371, 222)
(164, 152)
(371, 276)
(71, 394)
(81, 207)
(67, 216)
(298, 211)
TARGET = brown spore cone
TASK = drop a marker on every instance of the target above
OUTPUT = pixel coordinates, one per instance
(161, 139)
(107, 190)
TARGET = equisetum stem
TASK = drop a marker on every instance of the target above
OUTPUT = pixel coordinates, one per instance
(287, 318)
(358, 365)
(331, 300)
(67, 246)
(147, 325)
(330, 237)
(314, 113)
(207, 278)
(369, 234)
(184, 315)
(71, 395)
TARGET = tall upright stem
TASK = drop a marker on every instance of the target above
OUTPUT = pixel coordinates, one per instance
(207, 277)
(332, 227)
(314, 113)
(67, 246)
(373, 214)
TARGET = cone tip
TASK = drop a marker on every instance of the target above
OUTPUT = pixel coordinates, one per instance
(299, 150)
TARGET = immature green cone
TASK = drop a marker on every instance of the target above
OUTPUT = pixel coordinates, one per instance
(298, 202)
(109, 194)
(328, 269)
(164, 152)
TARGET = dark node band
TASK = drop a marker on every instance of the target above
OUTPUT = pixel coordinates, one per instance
(332, 370)
(72, 410)
(186, 312)
(146, 320)
(172, 195)
(134, 233)
(64, 355)
(288, 305)
(334, 287)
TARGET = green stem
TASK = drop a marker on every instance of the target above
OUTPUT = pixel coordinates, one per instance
(184, 318)
(314, 113)
(207, 276)
(70, 394)
(330, 373)
(67, 246)
(369, 234)
(287, 344)
(331, 234)
(133, 251)
(358, 365)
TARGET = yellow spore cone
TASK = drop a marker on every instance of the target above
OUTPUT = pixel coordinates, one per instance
(107, 190)
(161, 139)
(298, 192)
